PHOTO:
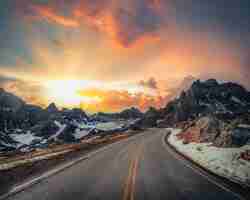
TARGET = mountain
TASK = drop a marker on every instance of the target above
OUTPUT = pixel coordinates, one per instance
(129, 113)
(52, 108)
(210, 112)
(225, 100)
(9, 102)
(24, 127)
(184, 85)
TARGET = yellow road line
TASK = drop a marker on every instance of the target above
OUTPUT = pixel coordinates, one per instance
(129, 189)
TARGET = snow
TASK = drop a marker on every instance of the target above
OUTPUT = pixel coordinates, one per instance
(246, 126)
(25, 138)
(235, 99)
(61, 129)
(225, 162)
(6, 144)
(106, 126)
(81, 134)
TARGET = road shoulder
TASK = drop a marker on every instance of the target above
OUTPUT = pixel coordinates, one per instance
(222, 182)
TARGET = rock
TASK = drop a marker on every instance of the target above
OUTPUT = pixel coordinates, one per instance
(52, 108)
(45, 129)
(227, 101)
(10, 102)
(211, 83)
(241, 135)
(207, 129)
(29, 115)
(131, 113)
(67, 134)
(75, 114)
(149, 118)
(6, 142)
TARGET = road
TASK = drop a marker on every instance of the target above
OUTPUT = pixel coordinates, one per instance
(140, 167)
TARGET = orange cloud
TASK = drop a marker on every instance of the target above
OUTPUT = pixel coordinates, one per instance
(49, 14)
(114, 100)
(128, 24)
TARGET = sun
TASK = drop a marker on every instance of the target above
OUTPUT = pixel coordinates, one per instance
(67, 93)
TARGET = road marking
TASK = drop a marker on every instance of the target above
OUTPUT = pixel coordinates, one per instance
(129, 188)
(52, 172)
(177, 157)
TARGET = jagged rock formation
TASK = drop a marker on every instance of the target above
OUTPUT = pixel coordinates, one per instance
(52, 108)
(24, 127)
(210, 112)
(129, 113)
(149, 118)
(227, 101)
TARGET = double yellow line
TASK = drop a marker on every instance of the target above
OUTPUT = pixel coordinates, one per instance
(129, 188)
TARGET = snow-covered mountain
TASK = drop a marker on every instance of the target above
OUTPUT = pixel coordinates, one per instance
(24, 126)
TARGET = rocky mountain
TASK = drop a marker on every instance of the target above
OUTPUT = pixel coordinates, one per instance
(129, 113)
(211, 112)
(52, 108)
(10, 102)
(149, 118)
(24, 127)
(184, 85)
(225, 100)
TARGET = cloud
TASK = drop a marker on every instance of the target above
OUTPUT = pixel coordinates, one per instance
(5, 79)
(30, 92)
(150, 83)
(125, 23)
(50, 15)
(115, 100)
(189, 46)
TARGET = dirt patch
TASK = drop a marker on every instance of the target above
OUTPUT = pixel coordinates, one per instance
(191, 135)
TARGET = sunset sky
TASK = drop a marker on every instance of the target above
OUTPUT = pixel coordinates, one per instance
(106, 55)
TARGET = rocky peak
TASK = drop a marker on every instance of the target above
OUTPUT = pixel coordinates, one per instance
(130, 113)
(52, 108)
(10, 102)
(209, 97)
(211, 83)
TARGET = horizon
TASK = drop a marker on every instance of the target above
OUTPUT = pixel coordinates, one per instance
(175, 95)
(108, 55)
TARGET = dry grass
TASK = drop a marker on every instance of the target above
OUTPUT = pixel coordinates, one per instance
(55, 149)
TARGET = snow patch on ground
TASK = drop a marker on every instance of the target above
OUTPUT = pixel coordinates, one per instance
(25, 138)
(235, 99)
(225, 162)
(107, 126)
(61, 129)
(81, 134)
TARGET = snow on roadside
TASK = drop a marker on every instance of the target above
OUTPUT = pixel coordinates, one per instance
(25, 138)
(225, 162)
(107, 126)
(81, 134)
(61, 129)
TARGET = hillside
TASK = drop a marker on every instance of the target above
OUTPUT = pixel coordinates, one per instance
(25, 127)
(211, 112)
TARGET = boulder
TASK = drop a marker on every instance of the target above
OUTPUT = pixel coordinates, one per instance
(45, 129)
(241, 135)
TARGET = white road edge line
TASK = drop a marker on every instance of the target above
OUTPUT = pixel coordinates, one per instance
(52, 172)
(198, 171)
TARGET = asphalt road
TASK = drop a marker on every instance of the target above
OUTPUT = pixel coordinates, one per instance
(140, 167)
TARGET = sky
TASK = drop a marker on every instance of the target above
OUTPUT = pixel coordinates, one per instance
(107, 55)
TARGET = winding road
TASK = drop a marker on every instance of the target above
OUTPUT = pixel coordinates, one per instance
(139, 167)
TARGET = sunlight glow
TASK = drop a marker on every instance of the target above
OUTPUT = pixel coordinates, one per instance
(67, 92)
